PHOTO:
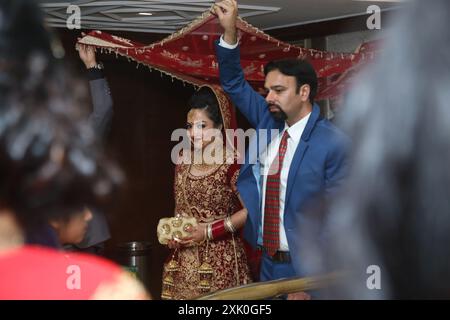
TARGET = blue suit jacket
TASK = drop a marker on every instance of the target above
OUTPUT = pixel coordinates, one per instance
(317, 169)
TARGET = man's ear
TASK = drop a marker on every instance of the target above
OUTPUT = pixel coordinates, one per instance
(305, 91)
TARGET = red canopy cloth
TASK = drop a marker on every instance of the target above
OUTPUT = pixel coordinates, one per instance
(189, 55)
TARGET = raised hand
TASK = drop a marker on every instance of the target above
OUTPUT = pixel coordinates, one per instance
(87, 55)
(198, 233)
(227, 11)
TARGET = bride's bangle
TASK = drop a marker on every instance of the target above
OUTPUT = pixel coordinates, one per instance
(210, 234)
(218, 229)
(229, 225)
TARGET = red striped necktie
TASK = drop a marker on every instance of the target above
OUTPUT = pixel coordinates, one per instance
(271, 231)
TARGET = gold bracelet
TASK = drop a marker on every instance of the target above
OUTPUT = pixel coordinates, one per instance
(205, 236)
(210, 236)
(229, 225)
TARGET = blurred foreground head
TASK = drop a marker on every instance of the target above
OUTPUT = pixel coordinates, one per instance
(395, 210)
(50, 162)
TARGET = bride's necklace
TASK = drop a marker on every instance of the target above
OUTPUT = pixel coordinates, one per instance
(203, 167)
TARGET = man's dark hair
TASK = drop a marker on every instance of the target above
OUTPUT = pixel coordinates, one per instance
(205, 99)
(302, 70)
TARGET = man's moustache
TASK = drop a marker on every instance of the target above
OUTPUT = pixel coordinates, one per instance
(275, 106)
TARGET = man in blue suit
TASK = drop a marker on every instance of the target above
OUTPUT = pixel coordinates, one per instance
(309, 150)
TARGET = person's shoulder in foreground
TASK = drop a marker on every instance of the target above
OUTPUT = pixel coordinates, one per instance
(38, 273)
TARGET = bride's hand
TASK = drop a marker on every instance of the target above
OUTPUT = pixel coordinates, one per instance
(173, 244)
(198, 233)
(179, 242)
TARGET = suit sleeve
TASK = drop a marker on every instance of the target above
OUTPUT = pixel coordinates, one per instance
(337, 165)
(100, 119)
(232, 79)
(102, 113)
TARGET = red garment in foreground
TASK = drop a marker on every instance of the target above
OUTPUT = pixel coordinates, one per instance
(189, 55)
(37, 273)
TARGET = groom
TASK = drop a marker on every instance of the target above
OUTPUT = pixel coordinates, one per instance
(304, 162)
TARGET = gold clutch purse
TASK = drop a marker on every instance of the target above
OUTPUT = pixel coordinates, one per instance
(174, 228)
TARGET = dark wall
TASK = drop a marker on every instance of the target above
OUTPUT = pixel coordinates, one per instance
(148, 108)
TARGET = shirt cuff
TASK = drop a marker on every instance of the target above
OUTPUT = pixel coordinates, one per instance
(226, 45)
(94, 74)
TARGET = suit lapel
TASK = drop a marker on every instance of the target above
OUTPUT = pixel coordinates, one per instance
(298, 157)
(301, 149)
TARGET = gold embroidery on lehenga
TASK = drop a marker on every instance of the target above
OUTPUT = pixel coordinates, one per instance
(211, 197)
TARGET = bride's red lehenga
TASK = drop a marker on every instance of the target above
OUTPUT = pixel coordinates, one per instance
(209, 197)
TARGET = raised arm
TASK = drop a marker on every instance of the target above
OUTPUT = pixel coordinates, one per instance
(102, 103)
(232, 79)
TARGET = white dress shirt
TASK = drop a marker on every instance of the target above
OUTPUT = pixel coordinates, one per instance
(295, 133)
(225, 44)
